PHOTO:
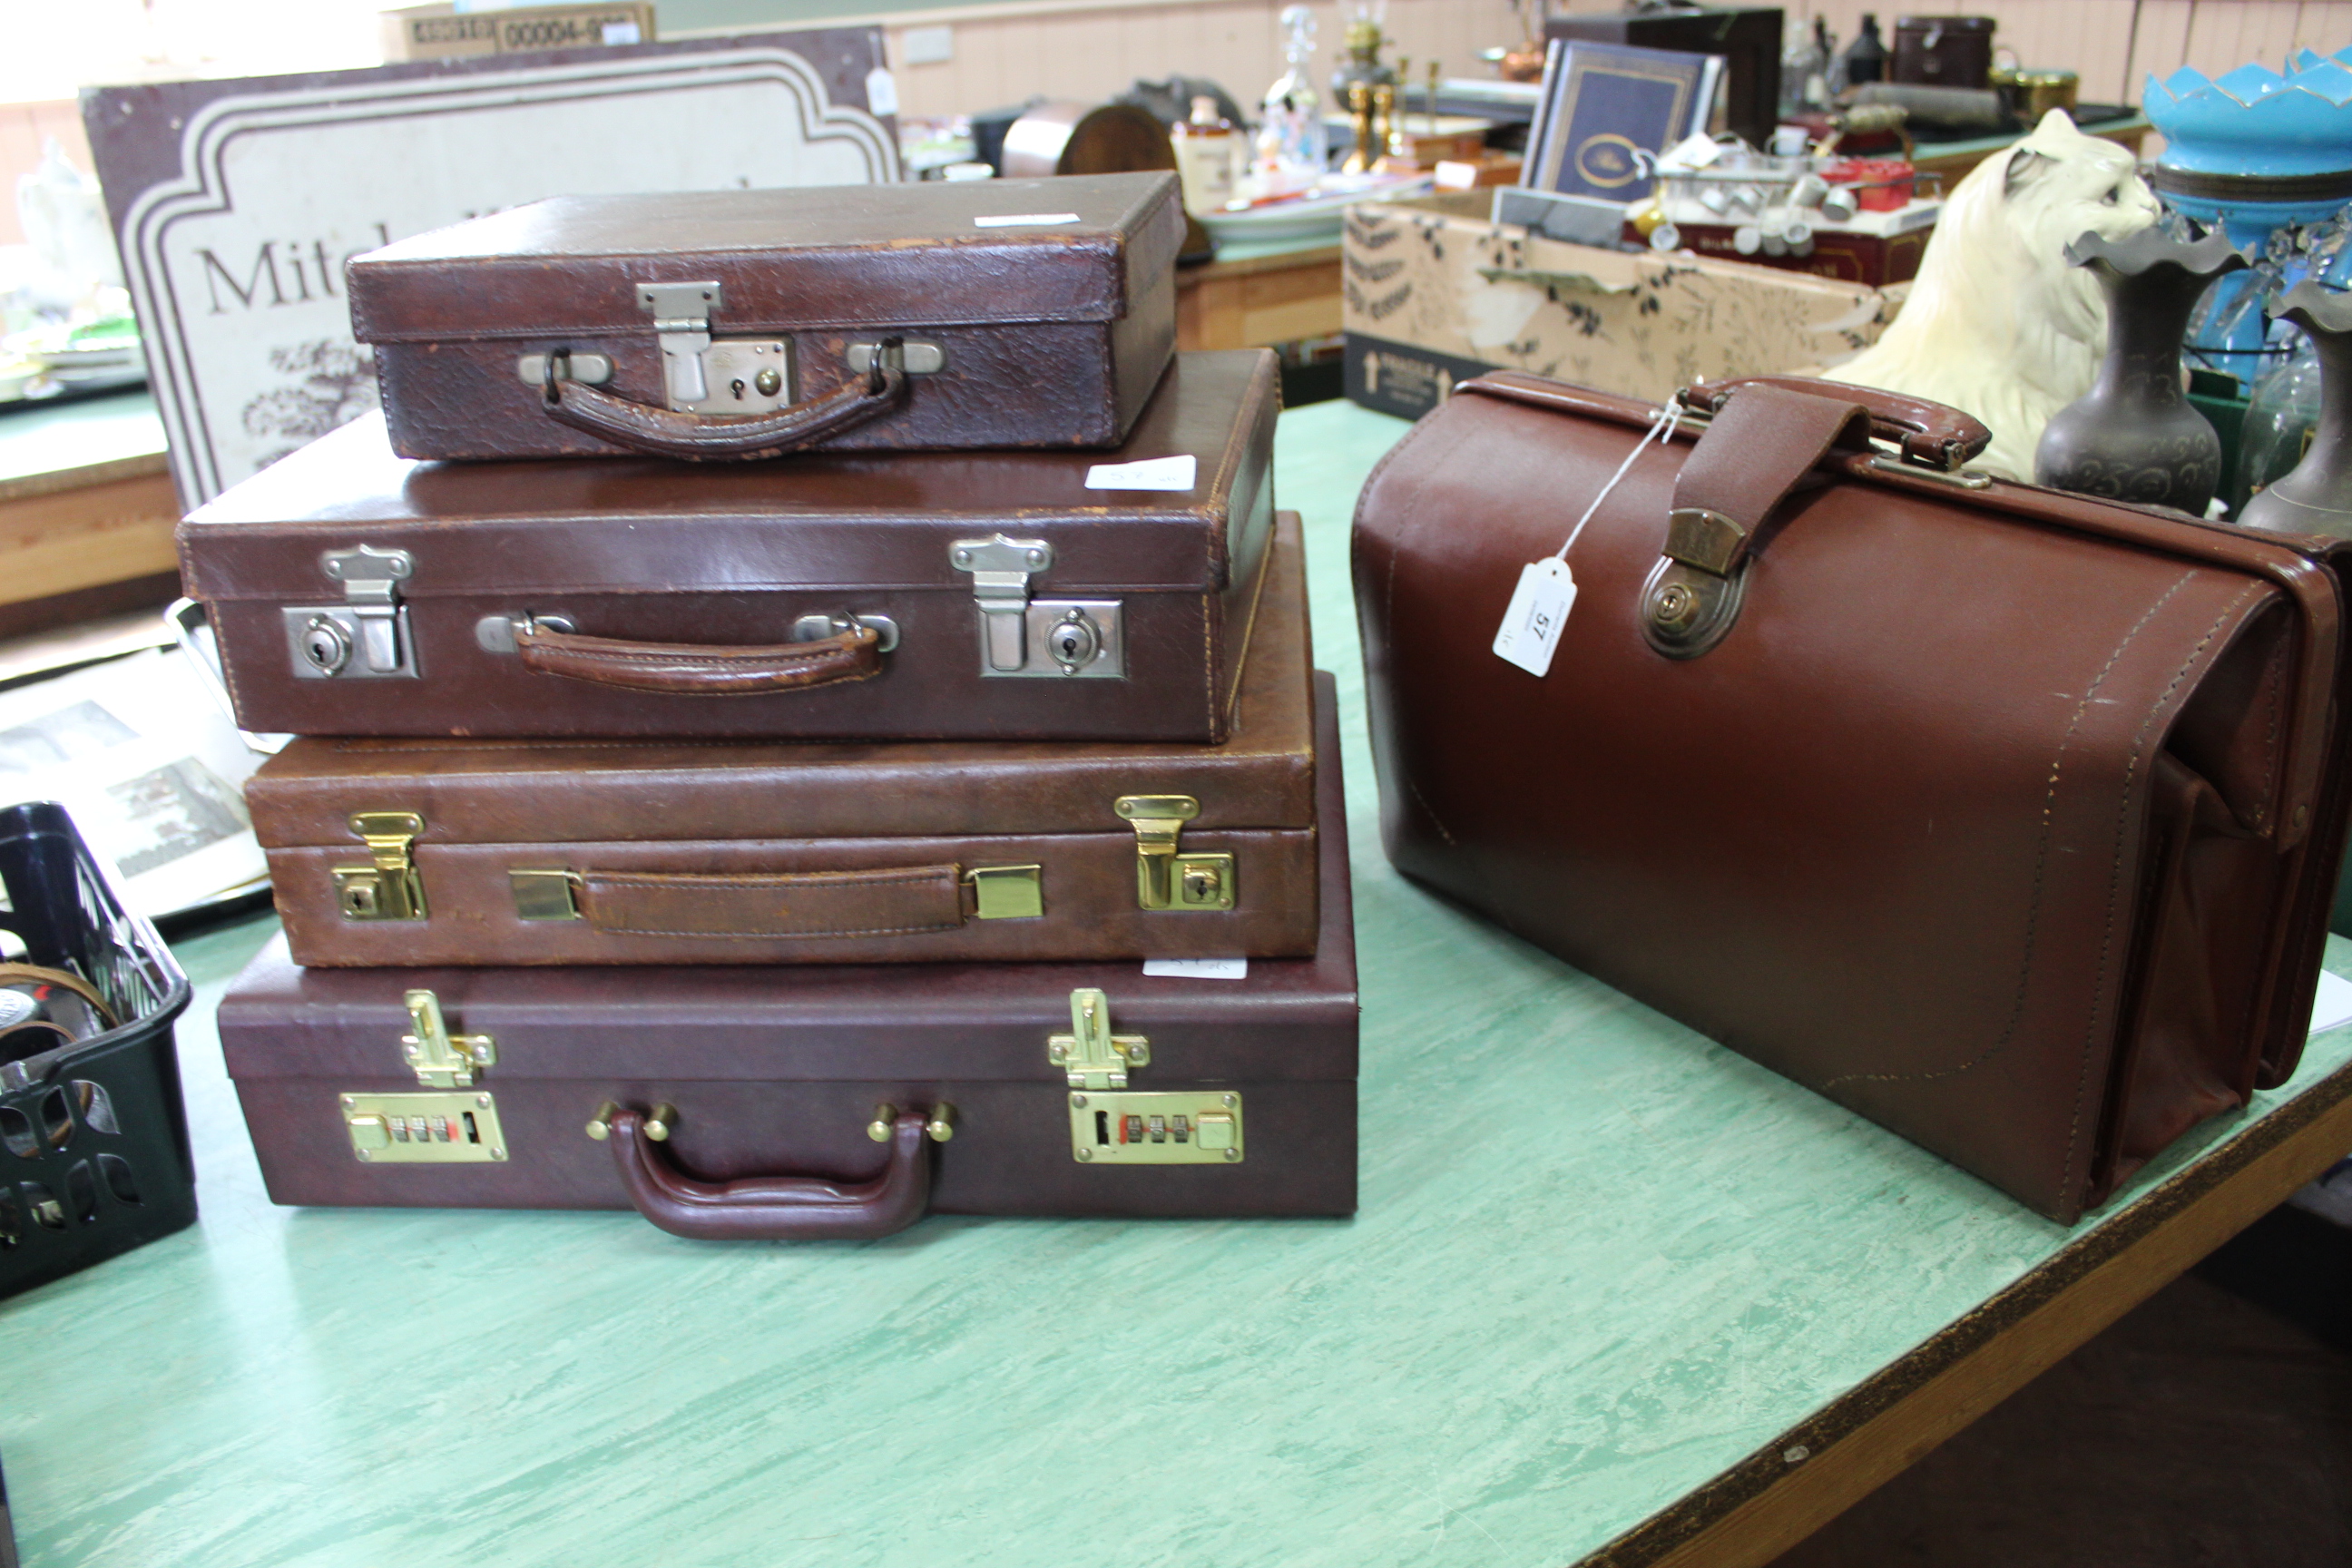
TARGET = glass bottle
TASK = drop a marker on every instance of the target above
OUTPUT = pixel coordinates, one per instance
(2296, 446)
(1206, 147)
(1291, 145)
(1865, 59)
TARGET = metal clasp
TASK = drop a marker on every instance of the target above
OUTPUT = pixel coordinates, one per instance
(366, 636)
(1090, 1053)
(1001, 568)
(389, 887)
(442, 1060)
(706, 375)
(1166, 876)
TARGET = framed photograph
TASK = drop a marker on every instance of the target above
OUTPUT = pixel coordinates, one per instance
(1603, 103)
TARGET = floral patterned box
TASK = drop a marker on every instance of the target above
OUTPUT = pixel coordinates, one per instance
(1432, 298)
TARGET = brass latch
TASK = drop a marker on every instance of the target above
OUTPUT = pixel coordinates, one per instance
(1167, 877)
(1092, 1056)
(442, 1060)
(388, 888)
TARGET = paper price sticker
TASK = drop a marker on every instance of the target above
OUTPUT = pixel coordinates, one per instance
(1531, 626)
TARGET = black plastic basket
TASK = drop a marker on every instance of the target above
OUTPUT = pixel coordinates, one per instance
(93, 1137)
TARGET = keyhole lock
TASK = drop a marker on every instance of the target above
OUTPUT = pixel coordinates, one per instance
(326, 645)
(769, 382)
(739, 389)
(1073, 642)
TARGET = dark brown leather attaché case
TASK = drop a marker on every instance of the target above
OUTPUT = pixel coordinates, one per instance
(498, 852)
(2007, 819)
(735, 324)
(836, 1100)
(975, 596)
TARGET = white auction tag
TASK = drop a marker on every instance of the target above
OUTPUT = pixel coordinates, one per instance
(1199, 968)
(1531, 626)
(1021, 220)
(881, 90)
(1177, 473)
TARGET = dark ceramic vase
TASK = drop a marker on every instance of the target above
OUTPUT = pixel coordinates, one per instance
(2315, 497)
(2134, 436)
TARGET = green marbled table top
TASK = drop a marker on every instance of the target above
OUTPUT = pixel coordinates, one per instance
(1598, 1261)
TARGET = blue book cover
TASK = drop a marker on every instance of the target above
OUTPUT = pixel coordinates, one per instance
(1603, 102)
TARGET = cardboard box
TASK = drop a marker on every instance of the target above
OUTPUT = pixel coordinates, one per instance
(443, 32)
(1430, 298)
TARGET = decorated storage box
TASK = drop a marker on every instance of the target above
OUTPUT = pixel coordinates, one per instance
(1433, 297)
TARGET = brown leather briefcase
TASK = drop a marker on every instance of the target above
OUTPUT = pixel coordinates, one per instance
(2007, 819)
(988, 596)
(498, 852)
(735, 324)
(815, 1100)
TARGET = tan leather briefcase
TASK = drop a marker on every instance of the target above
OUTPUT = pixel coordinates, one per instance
(2009, 819)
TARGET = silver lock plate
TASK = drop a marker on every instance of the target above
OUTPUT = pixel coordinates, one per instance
(1068, 640)
(703, 374)
(365, 637)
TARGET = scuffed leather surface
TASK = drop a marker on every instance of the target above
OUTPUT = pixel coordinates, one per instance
(766, 809)
(1897, 836)
(780, 1069)
(628, 549)
(1052, 336)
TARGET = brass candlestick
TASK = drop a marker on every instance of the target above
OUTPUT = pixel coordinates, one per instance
(1435, 73)
(1360, 103)
(1391, 136)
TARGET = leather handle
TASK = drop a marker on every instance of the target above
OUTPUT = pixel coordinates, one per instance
(1931, 433)
(776, 1208)
(696, 669)
(894, 901)
(705, 437)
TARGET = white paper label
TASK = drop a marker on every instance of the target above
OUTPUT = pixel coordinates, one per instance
(1531, 626)
(881, 91)
(2332, 1002)
(1198, 968)
(1178, 473)
(624, 33)
(1021, 220)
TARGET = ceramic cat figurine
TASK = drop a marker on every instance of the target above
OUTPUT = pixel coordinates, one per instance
(1998, 323)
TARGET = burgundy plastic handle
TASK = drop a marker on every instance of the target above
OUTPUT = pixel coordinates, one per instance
(1930, 433)
(697, 670)
(776, 1208)
(702, 438)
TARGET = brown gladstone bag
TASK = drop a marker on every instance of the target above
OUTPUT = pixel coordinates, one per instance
(499, 852)
(950, 595)
(2007, 819)
(743, 325)
(814, 1100)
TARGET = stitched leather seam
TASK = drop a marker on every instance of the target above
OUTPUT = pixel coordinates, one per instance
(672, 661)
(782, 935)
(2116, 873)
(2272, 783)
(2040, 868)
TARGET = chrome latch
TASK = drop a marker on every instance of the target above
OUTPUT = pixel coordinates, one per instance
(1024, 637)
(365, 637)
(706, 375)
(1167, 876)
(442, 1060)
(1090, 1053)
(389, 887)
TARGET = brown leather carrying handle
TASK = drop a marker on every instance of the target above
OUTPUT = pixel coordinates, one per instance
(1929, 433)
(726, 437)
(696, 669)
(776, 1208)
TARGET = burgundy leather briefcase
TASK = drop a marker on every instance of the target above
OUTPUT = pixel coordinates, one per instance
(735, 324)
(815, 1100)
(961, 596)
(2007, 819)
(498, 852)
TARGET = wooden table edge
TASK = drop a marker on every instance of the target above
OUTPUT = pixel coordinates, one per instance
(1327, 255)
(1808, 1475)
(112, 470)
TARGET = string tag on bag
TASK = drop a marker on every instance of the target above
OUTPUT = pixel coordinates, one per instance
(1531, 626)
